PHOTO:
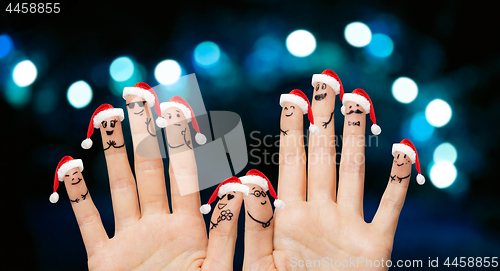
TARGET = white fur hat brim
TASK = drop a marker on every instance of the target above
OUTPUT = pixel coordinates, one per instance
(64, 168)
(223, 189)
(404, 149)
(253, 179)
(143, 93)
(112, 112)
(332, 82)
(352, 97)
(185, 110)
(296, 100)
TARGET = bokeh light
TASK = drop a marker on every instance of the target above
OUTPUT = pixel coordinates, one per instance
(443, 174)
(121, 69)
(6, 45)
(420, 129)
(301, 43)
(357, 34)
(79, 94)
(168, 72)
(45, 100)
(381, 45)
(207, 54)
(17, 96)
(438, 113)
(445, 152)
(404, 90)
(24, 73)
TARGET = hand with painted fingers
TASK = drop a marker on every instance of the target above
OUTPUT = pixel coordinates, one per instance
(323, 221)
(149, 235)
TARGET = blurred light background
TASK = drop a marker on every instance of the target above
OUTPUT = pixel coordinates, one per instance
(424, 66)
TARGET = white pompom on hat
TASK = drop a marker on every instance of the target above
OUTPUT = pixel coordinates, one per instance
(298, 97)
(360, 97)
(254, 176)
(66, 164)
(407, 147)
(101, 113)
(183, 105)
(228, 185)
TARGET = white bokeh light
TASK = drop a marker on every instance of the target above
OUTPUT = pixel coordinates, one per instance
(445, 152)
(438, 113)
(79, 94)
(404, 90)
(121, 69)
(301, 43)
(168, 72)
(443, 174)
(358, 34)
(24, 73)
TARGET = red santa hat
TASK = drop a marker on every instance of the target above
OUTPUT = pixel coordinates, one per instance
(144, 91)
(330, 78)
(360, 97)
(66, 164)
(406, 147)
(297, 97)
(101, 113)
(230, 184)
(180, 103)
(256, 177)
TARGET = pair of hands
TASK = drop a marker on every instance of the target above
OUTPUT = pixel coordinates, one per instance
(322, 222)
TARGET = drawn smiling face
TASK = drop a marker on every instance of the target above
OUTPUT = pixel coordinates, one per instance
(110, 139)
(291, 116)
(258, 206)
(321, 91)
(178, 133)
(355, 117)
(401, 159)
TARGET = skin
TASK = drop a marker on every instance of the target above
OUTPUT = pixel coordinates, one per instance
(177, 125)
(77, 190)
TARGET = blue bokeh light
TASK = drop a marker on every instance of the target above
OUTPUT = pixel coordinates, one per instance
(79, 94)
(445, 152)
(17, 96)
(121, 69)
(45, 101)
(420, 129)
(207, 54)
(6, 45)
(381, 45)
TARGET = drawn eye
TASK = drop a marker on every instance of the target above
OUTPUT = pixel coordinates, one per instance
(178, 115)
(292, 107)
(323, 86)
(357, 104)
(286, 108)
(317, 87)
(398, 157)
(104, 124)
(405, 156)
(350, 106)
(112, 124)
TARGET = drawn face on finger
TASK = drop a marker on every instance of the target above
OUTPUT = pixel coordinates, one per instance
(258, 206)
(110, 132)
(355, 115)
(178, 133)
(402, 160)
(291, 116)
(227, 205)
(322, 91)
(140, 116)
(77, 190)
(401, 169)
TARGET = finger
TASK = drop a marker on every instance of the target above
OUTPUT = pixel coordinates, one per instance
(182, 170)
(121, 180)
(322, 173)
(223, 231)
(394, 196)
(292, 162)
(148, 162)
(259, 227)
(86, 213)
(352, 162)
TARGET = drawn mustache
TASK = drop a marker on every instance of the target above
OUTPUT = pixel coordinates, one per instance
(355, 112)
(353, 123)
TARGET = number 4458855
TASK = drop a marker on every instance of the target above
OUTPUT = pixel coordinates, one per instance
(34, 8)
(472, 262)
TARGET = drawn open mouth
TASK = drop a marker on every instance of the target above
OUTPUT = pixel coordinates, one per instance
(79, 180)
(320, 97)
(140, 112)
(263, 203)
(289, 115)
(400, 164)
(110, 132)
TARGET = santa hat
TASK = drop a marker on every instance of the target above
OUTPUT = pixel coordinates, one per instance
(256, 177)
(297, 97)
(66, 164)
(144, 91)
(188, 112)
(330, 78)
(230, 184)
(101, 113)
(360, 97)
(406, 147)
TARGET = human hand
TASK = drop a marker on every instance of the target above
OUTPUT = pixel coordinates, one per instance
(324, 222)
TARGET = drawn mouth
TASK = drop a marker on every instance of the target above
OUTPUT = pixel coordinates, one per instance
(263, 203)
(289, 115)
(355, 112)
(175, 146)
(400, 164)
(320, 97)
(221, 205)
(140, 112)
(177, 124)
(110, 132)
(79, 180)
